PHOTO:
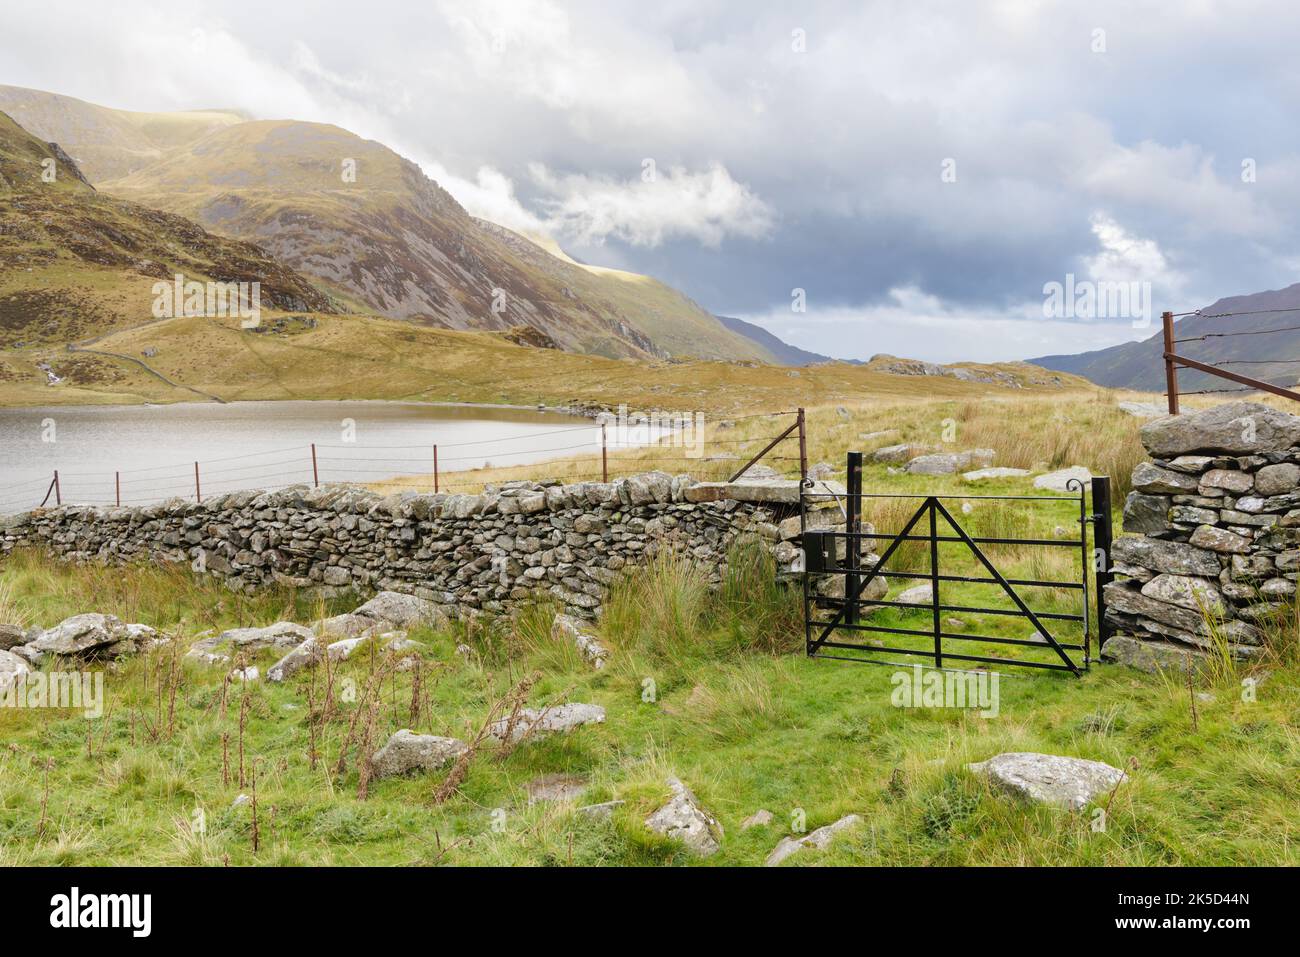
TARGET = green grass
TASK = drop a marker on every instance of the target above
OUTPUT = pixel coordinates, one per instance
(744, 720)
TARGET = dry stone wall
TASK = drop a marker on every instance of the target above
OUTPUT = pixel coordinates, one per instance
(1212, 537)
(516, 542)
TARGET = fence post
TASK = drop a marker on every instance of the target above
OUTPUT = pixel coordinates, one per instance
(198, 493)
(853, 544)
(117, 487)
(604, 455)
(435, 468)
(1101, 541)
(1171, 369)
(58, 492)
(803, 450)
(934, 583)
(315, 473)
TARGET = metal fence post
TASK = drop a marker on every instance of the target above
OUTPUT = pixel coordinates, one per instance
(315, 473)
(435, 467)
(1171, 369)
(604, 455)
(198, 493)
(853, 543)
(1101, 542)
(117, 487)
(803, 448)
(934, 583)
(58, 492)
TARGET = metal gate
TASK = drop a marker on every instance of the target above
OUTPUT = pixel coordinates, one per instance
(999, 581)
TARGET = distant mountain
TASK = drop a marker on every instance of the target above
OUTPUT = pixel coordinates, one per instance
(1273, 357)
(76, 263)
(373, 228)
(786, 354)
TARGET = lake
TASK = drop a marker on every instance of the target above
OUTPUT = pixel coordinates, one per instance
(241, 445)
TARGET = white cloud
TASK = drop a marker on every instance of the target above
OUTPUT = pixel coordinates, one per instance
(706, 206)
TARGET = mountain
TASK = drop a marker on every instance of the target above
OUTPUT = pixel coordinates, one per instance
(75, 262)
(387, 240)
(1273, 357)
(786, 354)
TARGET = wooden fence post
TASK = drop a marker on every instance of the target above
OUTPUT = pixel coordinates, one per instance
(117, 487)
(435, 468)
(604, 455)
(198, 493)
(315, 472)
(1171, 369)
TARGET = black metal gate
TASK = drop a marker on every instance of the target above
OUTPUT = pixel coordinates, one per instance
(843, 601)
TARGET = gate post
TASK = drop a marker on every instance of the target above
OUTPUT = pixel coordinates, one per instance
(934, 583)
(1101, 542)
(852, 541)
(1171, 368)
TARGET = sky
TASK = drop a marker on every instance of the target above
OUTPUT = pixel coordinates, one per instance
(971, 180)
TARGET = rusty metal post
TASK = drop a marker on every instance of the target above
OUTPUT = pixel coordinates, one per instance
(1171, 368)
(315, 473)
(604, 455)
(58, 492)
(803, 448)
(435, 468)
(198, 493)
(117, 486)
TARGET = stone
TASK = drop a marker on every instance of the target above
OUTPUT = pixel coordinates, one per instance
(1071, 783)
(342, 650)
(1192, 463)
(11, 668)
(539, 721)
(1277, 479)
(246, 675)
(80, 634)
(916, 595)
(1059, 481)
(602, 811)
(760, 818)
(1144, 514)
(1154, 480)
(1122, 597)
(1235, 428)
(819, 839)
(1151, 656)
(11, 636)
(982, 475)
(946, 463)
(822, 470)
(1198, 594)
(281, 636)
(683, 819)
(306, 655)
(1229, 480)
(407, 752)
(347, 626)
(894, 454)
(1177, 558)
(568, 628)
(1142, 410)
(1220, 540)
(562, 788)
(401, 610)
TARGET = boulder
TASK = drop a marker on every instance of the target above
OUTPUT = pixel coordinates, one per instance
(11, 667)
(348, 625)
(1072, 783)
(1277, 479)
(306, 655)
(946, 463)
(342, 650)
(819, 840)
(11, 636)
(1059, 481)
(79, 634)
(683, 819)
(407, 751)
(401, 610)
(1235, 428)
(539, 721)
(894, 454)
(280, 636)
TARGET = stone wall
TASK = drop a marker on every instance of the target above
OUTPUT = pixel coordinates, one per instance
(1212, 542)
(514, 542)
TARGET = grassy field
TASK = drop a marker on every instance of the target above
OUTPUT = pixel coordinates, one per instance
(735, 712)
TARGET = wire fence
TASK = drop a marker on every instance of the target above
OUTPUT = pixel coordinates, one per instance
(585, 453)
(1209, 367)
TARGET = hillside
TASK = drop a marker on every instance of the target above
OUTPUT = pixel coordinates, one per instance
(1271, 358)
(388, 240)
(76, 263)
(785, 353)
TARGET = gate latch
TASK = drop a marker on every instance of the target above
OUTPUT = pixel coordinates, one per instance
(819, 553)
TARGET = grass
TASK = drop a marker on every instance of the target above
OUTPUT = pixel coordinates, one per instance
(701, 684)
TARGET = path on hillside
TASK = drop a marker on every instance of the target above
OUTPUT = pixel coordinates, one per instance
(82, 347)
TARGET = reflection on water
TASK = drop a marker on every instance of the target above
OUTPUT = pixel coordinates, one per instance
(149, 452)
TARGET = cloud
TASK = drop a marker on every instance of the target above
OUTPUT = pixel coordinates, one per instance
(707, 206)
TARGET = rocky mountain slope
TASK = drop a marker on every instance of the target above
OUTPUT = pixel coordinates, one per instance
(75, 262)
(1273, 357)
(785, 353)
(388, 239)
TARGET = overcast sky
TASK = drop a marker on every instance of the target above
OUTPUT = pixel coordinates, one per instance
(919, 170)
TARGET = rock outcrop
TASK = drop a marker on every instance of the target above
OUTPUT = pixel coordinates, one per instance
(1071, 783)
